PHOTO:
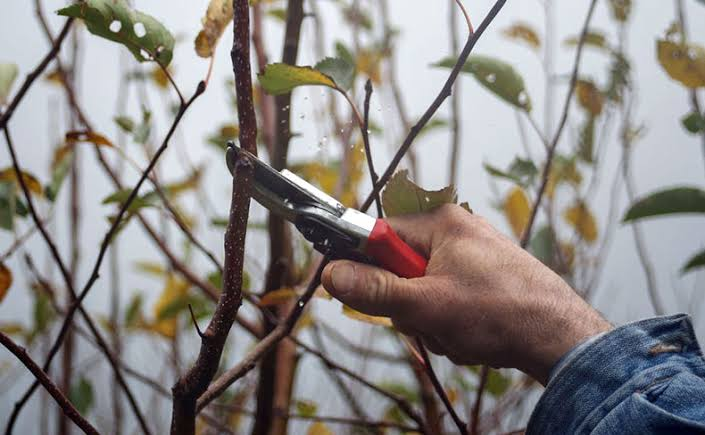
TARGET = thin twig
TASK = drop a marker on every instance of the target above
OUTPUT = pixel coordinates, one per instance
(526, 237)
(31, 77)
(462, 427)
(475, 421)
(444, 93)
(69, 410)
(76, 304)
(364, 129)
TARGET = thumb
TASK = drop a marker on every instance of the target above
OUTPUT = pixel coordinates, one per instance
(367, 288)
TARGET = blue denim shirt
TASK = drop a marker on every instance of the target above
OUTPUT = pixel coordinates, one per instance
(641, 378)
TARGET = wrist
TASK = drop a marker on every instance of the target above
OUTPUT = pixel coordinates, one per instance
(561, 326)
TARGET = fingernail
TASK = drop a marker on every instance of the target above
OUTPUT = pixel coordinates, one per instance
(343, 278)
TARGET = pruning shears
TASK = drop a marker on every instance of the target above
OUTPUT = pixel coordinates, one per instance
(334, 230)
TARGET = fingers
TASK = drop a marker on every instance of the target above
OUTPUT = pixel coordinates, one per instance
(367, 288)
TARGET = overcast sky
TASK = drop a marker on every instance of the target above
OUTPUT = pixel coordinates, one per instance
(665, 156)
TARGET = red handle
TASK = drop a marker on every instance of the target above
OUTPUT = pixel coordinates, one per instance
(391, 253)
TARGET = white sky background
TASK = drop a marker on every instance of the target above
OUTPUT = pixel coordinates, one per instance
(666, 156)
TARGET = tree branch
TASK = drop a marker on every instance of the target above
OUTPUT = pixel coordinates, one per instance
(31, 77)
(365, 130)
(462, 426)
(69, 410)
(195, 381)
(445, 93)
(526, 237)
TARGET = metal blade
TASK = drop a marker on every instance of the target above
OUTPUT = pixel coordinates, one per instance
(282, 193)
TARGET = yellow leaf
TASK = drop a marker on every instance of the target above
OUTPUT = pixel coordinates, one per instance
(452, 394)
(159, 77)
(304, 322)
(218, 15)
(523, 32)
(375, 320)
(517, 210)
(9, 174)
(589, 97)
(150, 268)
(55, 78)
(73, 137)
(280, 78)
(683, 62)
(580, 218)
(319, 428)
(322, 293)
(12, 328)
(5, 280)
(368, 63)
(173, 293)
(277, 297)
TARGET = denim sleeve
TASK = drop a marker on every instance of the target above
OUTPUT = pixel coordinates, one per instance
(645, 377)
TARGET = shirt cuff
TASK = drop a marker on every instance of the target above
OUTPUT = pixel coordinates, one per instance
(601, 372)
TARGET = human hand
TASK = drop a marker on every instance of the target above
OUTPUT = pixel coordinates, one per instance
(483, 299)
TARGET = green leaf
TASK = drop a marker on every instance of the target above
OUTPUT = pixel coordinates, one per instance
(216, 279)
(126, 123)
(133, 314)
(7, 205)
(145, 37)
(8, 74)
(120, 197)
(81, 395)
(402, 390)
(341, 71)
(433, 124)
(694, 122)
(697, 262)
(343, 52)
(42, 313)
(669, 201)
(587, 141)
(403, 196)
(497, 383)
(619, 77)
(278, 13)
(141, 132)
(542, 246)
(59, 171)
(280, 78)
(306, 408)
(520, 171)
(497, 76)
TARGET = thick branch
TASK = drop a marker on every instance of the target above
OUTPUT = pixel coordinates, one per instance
(195, 381)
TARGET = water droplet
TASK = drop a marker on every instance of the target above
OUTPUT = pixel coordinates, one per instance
(491, 78)
(115, 26)
(139, 29)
